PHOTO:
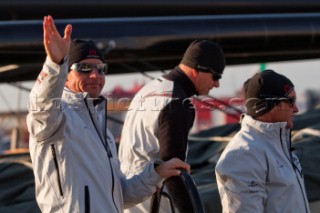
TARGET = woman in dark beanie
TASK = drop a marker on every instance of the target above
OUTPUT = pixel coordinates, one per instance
(74, 155)
(257, 171)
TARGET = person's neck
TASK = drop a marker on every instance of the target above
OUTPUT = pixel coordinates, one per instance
(187, 71)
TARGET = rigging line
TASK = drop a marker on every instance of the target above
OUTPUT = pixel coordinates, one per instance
(211, 138)
(145, 63)
(211, 105)
(226, 104)
(136, 70)
(149, 65)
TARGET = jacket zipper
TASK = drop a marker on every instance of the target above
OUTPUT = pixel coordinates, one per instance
(107, 148)
(293, 166)
(86, 200)
(113, 185)
(53, 151)
(303, 194)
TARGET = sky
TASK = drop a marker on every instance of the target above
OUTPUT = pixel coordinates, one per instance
(304, 74)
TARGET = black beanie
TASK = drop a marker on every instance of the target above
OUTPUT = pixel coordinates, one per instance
(206, 54)
(82, 49)
(263, 91)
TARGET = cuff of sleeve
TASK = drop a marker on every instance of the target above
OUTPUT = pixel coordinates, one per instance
(64, 60)
(151, 176)
(57, 67)
(156, 163)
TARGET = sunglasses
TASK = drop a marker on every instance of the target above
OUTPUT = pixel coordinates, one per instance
(88, 67)
(290, 100)
(215, 76)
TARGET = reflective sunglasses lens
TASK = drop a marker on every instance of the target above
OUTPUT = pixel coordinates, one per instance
(87, 67)
(291, 101)
(102, 68)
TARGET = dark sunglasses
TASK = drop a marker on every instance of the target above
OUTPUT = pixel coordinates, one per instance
(215, 76)
(289, 100)
(88, 67)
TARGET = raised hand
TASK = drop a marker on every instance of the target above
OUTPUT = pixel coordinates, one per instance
(172, 168)
(56, 47)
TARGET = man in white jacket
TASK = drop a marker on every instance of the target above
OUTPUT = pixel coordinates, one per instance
(74, 156)
(257, 171)
(161, 115)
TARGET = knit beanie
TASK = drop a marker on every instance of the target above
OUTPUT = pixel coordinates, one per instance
(82, 49)
(263, 91)
(204, 53)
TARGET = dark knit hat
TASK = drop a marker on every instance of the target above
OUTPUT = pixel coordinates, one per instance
(82, 49)
(204, 54)
(264, 90)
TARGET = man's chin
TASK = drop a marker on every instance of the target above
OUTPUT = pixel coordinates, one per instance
(93, 91)
(94, 94)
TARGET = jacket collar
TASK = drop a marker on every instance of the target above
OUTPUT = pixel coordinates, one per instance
(264, 127)
(271, 129)
(76, 100)
(271, 132)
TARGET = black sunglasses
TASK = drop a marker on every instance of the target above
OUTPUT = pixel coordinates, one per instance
(289, 100)
(215, 76)
(88, 67)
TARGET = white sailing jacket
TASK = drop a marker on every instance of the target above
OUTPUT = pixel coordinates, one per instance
(156, 127)
(74, 155)
(257, 171)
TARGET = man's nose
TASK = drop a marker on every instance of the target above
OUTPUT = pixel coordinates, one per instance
(295, 108)
(94, 73)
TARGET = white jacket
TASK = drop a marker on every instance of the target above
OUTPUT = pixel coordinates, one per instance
(157, 124)
(75, 164)
(257, 172)
(139, 143)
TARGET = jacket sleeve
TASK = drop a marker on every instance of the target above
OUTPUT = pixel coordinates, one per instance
(45, 106)
(140, 187)
(241, 177)
(175, 122)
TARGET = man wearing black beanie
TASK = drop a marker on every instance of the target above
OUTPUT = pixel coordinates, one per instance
(264, 91)
(161, 115)
(74, 155)
(257, 171)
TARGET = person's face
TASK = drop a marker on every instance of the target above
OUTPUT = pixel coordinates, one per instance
(285, 111)
(91, 82)
(204, 82)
